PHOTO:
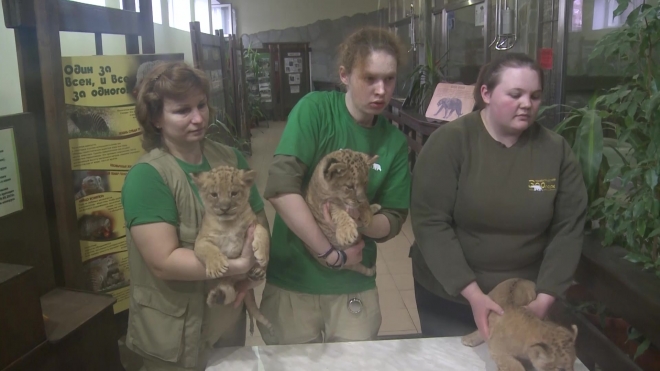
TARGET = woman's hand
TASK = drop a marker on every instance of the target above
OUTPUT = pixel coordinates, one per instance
(353, 253)
(481, 305)
(541, 305)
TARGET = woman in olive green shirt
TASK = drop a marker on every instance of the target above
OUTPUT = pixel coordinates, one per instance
(494, 196)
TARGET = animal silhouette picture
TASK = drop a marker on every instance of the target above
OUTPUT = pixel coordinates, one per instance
(450, 105)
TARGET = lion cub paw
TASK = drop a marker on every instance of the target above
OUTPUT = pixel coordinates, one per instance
(347, 234)
(472, 340)
(375, 208)
(256, 274)
(216, 266)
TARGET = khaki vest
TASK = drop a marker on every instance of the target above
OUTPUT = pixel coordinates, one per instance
(165, 317)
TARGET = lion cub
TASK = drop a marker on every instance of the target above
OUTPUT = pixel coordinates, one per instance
(341, 178)
(225, 192)
(518, 333)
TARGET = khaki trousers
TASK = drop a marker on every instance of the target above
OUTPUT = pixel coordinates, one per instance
(299, 318)
(223, 326)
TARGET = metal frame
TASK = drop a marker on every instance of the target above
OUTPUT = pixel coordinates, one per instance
(460, 5)
(559, 63)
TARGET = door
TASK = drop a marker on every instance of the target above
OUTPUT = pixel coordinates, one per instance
(294, 73)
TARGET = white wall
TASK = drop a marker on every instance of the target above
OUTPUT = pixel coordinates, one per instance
(167, 40)
(254, 16)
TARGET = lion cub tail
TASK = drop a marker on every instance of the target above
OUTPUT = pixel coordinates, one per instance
(254, 313)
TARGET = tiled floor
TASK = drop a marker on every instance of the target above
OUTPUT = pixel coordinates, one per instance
(394, 272)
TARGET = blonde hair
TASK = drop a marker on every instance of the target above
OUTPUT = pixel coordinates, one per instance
(358, 46)
(172, 80)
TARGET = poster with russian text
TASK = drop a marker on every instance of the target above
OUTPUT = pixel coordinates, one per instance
(104, 142)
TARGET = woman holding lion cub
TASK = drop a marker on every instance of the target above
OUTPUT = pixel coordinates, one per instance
(305, 300)
(170, 324)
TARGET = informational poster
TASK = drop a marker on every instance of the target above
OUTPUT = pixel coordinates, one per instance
(11, 200)
(293, 65)
(104, 142)
(294, 78)
(450, 101)
(479, 15)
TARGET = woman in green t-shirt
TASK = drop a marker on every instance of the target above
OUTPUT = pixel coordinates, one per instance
(170, 325)
(495, 196)
(307, 301)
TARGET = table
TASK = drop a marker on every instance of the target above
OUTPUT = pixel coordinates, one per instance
(427, 354)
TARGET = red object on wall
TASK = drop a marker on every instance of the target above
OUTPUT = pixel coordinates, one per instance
(545, 58)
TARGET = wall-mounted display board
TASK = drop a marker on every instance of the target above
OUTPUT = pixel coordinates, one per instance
(292, 72)
(85, 131)
(23, 226)
(210, 56)
(258, 80)
(105, 140)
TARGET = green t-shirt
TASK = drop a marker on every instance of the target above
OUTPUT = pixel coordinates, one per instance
(319, 124)
(147, 199)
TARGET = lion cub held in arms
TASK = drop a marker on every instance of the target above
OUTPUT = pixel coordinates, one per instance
(341, 178)
(225, 192)
(518, 333)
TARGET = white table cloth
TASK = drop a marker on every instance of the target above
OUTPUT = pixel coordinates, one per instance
(430, 354)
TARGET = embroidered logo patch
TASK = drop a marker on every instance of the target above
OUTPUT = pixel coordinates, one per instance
(376, 167)
(542, 185)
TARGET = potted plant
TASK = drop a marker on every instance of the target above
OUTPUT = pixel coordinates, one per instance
(625, 121)
(422, 81)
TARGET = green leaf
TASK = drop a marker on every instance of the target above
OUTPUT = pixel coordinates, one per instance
(589, 143)
(638, 209)
(614, 172)
(641, 226)
(651, 178)
(637, 258)
(642, 348)
(654, 233)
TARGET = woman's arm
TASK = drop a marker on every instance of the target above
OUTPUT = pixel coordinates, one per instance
(434, 185)
(566, 232)
(159, 246)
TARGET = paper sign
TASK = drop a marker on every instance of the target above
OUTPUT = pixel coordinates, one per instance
(479, 15)
(450, 101)
(545, 58)
(11, 200)
(295, 89)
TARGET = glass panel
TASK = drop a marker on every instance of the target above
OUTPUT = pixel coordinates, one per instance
(465, 44)
(592, 19)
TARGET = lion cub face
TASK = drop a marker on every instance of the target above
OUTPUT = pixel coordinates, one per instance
(556, 353)
(346, 172)
(225, 191)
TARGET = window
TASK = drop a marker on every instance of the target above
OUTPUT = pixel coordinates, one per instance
(91, 2)
(576, 20)
(155, 9)
(603, 10)
(180, 15)
(224, 18)
(202, 15)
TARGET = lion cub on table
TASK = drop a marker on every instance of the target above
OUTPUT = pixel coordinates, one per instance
(341, 178)
(225, 192)
(518, 333)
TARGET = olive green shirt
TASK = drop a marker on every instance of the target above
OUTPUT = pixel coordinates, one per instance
(484, 212)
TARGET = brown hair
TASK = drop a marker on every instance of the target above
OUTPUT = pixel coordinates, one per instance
(358, 46)
(489, 74)
(172, 80)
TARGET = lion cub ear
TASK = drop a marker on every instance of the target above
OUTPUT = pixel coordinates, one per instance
(575, 332)
(248, 177)
(333, 168)
(539, 353)
(371, 160)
